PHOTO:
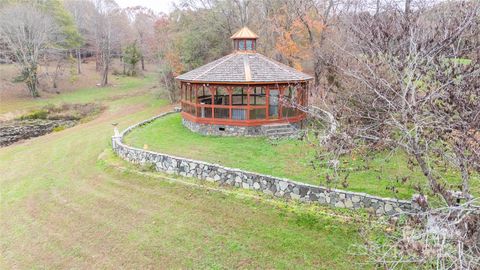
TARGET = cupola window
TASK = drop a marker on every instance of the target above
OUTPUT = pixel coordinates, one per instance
(249, 45)
(241, 45)
(244, 40)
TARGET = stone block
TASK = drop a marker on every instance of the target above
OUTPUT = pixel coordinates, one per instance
(340, 204)
(348, 203)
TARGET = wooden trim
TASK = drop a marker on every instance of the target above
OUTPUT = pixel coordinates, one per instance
(260, 122)
(224, 106)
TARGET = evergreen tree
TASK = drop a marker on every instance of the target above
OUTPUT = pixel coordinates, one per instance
(131, 57)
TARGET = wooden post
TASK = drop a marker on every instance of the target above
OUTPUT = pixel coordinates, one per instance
(212, 92)
(281, 89)
(196, 100)
(267, 101)
(249, 89)
(230, 107)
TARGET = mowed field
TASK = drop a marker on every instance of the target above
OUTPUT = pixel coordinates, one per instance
(63, 206)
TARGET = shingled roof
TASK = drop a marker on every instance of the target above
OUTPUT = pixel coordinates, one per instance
(240, 67)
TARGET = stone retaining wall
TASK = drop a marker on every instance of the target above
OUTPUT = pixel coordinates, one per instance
(16, 130)
(278, 187)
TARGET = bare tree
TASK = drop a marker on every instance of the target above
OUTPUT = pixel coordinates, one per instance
(104, 33)
(28, 34)
(442, 238)
(415, 79)
(83, 13)
(143, 22)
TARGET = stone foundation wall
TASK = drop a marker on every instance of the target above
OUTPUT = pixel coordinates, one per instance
(278, 187)
(226, 130)
(222, 130)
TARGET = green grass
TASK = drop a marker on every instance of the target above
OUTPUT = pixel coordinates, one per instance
(121, 86)
(287, 158)
(63, 208)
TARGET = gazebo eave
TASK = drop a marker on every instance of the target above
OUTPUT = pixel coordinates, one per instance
(245, 82)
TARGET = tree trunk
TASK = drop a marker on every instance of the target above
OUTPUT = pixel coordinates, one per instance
(465, 180)
(55, 75)
(30, 74)
(464, 171)
(105, 73)
(435, 186)
(79, 61)
(143, 63)
(97, 61)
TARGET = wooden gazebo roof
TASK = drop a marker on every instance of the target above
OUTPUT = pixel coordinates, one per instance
(239, 67)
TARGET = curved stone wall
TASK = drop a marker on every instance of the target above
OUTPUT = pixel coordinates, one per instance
(275, 186)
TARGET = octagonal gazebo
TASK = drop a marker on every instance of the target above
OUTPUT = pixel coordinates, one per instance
(243, 93)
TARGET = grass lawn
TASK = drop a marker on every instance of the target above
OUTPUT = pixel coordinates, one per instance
(122, 86)
(287, 158)
(63, 208)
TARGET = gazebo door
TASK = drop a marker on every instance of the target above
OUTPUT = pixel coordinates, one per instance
(273, 103)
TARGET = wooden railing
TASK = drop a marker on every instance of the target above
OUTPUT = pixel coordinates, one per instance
(239, 114)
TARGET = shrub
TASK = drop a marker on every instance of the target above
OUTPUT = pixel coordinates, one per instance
(116, 72)
(66, 111)
(37, 114)
(148, 167)
(59, 128)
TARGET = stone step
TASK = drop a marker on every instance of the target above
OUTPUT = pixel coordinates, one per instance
(281, 134)
(276, 126)
(279, 130)
(273, 131)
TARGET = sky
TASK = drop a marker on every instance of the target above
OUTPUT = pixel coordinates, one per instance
(156, 5)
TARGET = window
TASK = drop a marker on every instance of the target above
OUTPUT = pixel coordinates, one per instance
(204, 112)
(239, 114)
(241, 45)
(222, 113)
(250, 45)
(237, 96)
(190, 109)
(204, 96)
(221, 96)
(194, 94)
(188, 92)
(288, 111)
(258, 96)
(184, 91)
(291, 93)
(258, 113)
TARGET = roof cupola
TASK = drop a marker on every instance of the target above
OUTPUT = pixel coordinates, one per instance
(244, 40)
